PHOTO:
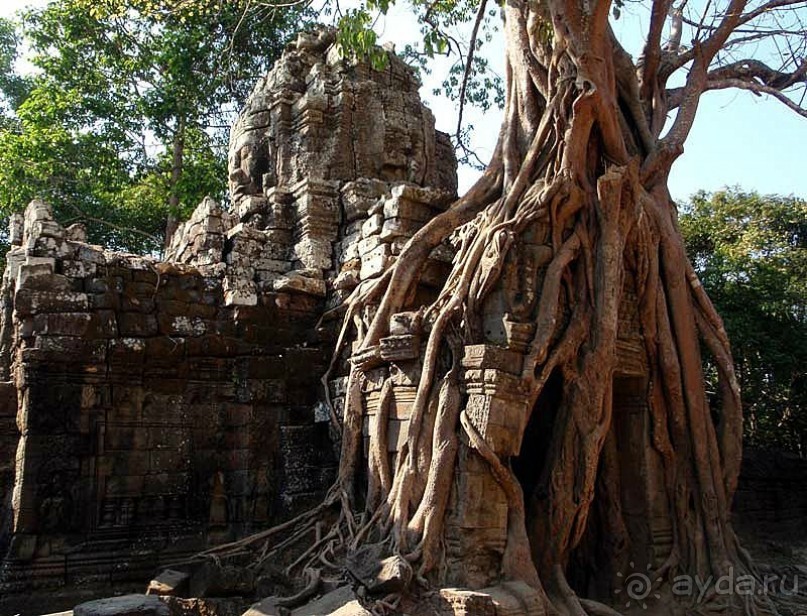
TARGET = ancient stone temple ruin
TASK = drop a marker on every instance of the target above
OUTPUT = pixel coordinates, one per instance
(150, 408)
(153, 408)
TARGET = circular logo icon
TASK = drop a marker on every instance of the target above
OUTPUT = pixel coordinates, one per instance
(637, 586)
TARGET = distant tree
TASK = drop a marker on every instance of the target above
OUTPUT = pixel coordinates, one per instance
(13, 87)
(126, 122)
(750, 252)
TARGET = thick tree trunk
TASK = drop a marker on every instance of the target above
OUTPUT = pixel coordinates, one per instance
(577, 176)
(177, 166)
(571, 223)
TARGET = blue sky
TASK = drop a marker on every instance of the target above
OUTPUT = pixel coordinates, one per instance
(738, 138)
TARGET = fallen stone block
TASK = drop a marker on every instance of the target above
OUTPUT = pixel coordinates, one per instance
(127, 605)
(169, 582)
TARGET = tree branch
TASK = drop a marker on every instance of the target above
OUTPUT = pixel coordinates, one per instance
(703, 54)
(753, 76)
(480, 14)
(652, 48)
(757, 88)
(759, 72)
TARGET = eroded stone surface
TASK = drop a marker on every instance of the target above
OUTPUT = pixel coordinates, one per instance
(332, 166)
(127, 605)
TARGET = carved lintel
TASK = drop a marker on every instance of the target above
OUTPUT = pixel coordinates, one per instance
(400, 347)
(490, 356)
(368, 358)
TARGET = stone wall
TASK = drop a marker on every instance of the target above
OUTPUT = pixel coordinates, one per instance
(151, 415)
(9, 437)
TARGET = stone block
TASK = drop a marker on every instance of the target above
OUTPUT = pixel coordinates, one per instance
(397, 432)
(518, 335)
(401, 207)
(137, 325)
(400, 347)
(15, 229)
(463, 602)
(181, 325)
(318, 199)
(271, 265)
(314, 253)
(492, 356)
(348, 248)
(473, 512)
(399, 227)
(127, 605)
(300, 284)
(40, 276)
(359, 196)
(31, 301)
(347, 280)
(391, 574)
(78, 269)
(250, 205)
(169, 583)
(404, 323)
(403, 400)
(405, 373)
(243, 232)
(376, 262)
(37, 210)
(47, 228)
(77, 232)
(368, 244)
(373, 225)
(264, 607)
(69, 324)
(230, 606)
(91, 254)
(239, 291)
(48, 246)
(500, 421)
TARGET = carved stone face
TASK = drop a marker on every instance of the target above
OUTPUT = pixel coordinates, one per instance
(249, 160)
(249, 167)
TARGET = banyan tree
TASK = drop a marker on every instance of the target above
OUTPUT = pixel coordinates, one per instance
(558, 436)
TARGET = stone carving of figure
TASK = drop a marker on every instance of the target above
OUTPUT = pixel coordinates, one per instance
(55, 507)
(247, 167)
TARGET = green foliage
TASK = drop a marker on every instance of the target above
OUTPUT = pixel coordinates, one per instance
(446, 27)
(750, 252)
(355, 36)
(127, 118)
(13, 87)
